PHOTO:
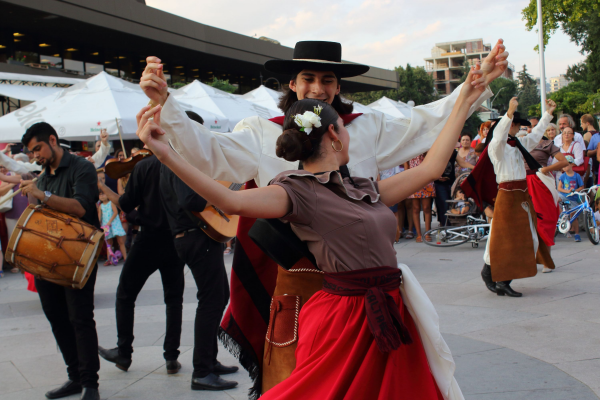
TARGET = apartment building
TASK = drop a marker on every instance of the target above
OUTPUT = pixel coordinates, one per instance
(448, 60)
(558, 82)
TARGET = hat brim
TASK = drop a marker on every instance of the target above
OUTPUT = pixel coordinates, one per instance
(523, 122)
(343, 70)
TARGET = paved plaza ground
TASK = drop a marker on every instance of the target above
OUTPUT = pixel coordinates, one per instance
(545, 345)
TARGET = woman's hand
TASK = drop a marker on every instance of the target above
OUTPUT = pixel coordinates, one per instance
(469, 92)
(153, 81)
(493, 66)
(150, 132)
(512, 107)
(550, 106)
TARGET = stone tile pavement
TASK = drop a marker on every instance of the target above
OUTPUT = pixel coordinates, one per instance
(545, 345)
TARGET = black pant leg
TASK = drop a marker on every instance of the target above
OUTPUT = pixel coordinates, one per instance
(56, 309)
(204, 257)
(442, 193)
(171, 272)
(142, 261)
(81, 315)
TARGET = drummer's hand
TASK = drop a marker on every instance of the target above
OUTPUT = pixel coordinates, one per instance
(150, 132)
(153, 82)
(28, 187)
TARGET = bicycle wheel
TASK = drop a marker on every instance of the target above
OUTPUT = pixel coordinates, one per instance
(447, 236)
(592, 232)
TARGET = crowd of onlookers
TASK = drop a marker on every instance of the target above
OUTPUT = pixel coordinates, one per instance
(579, 144)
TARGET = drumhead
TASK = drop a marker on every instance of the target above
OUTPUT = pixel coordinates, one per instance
(17, 232)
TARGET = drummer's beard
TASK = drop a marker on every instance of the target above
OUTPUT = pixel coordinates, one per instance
(47, 162)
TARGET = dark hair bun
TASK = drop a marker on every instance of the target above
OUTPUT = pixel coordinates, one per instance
(293, 145)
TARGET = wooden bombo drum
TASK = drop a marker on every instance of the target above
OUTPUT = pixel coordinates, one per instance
(55, 246)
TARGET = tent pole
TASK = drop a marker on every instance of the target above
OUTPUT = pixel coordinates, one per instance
(121, 137)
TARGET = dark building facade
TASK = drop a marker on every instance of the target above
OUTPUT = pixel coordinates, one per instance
(79, 38)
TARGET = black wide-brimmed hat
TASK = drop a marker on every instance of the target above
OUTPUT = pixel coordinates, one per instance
(317, 55)
(518, 120)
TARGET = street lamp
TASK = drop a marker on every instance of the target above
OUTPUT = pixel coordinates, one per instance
(542, 63)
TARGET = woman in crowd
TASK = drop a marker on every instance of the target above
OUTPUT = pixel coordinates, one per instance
(344, 350)
(467, 153)
(483, 132)
(422, 199)
(551, 131)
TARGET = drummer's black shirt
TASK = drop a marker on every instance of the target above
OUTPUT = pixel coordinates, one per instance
(75, 178)
(143, 192)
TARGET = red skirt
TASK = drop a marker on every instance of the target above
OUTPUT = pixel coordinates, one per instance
(546, 209)
(337, 357)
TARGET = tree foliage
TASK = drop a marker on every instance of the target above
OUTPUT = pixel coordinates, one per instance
(414, 84)
(223, 85)
(580, 19)
(528, 92)
(504, 89)
(571, 99)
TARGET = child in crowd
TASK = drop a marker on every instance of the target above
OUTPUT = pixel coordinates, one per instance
(107, 213)
(570, 182)
(463, 206)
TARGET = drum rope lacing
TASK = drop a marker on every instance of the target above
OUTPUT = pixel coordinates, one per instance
(58, 240)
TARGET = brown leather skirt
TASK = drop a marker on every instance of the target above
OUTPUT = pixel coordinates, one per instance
(511, 242)
(293, 289)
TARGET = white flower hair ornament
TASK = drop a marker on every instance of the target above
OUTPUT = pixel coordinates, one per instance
(309, 120)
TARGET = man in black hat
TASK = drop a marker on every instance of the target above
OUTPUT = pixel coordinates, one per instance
(248, 154)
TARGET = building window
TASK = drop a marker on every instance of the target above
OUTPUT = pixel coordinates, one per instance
(51, 61)
(74, 66)
(93, 69)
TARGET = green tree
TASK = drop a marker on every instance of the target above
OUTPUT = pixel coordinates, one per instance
(577, 72)
(414, 84)
(528, 95)
(572, 99)
(223, 85)
(472, 125)
(580, 19)
(504, 89)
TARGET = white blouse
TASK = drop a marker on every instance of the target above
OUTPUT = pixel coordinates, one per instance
(248, 152)
(509, 164)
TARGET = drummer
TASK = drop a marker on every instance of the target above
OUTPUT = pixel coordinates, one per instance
(68, 185)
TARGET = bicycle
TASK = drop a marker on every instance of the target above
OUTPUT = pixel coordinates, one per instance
(565, 220)
(475, 231)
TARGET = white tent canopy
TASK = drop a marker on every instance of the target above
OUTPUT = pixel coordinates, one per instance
(263, 96)
(26, 92)
(220, 103)
(80, 111)
(12, 77)
(391, 108)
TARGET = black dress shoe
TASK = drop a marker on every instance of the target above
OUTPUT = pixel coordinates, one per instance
(503, 288)
(221, 369)
(173, 367)
(113, 356)
(90, 394)
(67, 389)
(212, 382)
(486, 275)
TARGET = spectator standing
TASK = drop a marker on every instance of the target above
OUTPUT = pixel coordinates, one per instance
(566, 121)
(467, 153)
(483, 132)
(109, 221)
(533, 121)
(587, 123)
(102, 150)
(551, 131)
(422, 199)
(569, 146)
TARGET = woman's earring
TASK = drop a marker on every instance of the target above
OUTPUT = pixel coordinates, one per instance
(341, 146)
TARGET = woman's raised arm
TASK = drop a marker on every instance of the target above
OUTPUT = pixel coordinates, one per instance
(265, 202)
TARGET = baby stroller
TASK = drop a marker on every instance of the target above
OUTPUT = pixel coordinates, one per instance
(469, 226)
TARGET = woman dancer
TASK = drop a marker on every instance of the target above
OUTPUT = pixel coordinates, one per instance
(343, 349)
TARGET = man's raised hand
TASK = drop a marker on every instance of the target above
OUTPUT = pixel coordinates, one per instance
(150, 132)
(493, 66)
(153, 81)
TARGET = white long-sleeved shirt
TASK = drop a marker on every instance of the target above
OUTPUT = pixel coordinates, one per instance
(101, 155)
(18, 167)
(508, 161)
(248, 152)
(577, 151)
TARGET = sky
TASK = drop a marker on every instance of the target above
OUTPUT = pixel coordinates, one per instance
(384, 33)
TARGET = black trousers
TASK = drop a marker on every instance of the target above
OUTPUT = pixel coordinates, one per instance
(71, 316)
(204, 257)
(151, 251)
(442, 193)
